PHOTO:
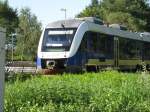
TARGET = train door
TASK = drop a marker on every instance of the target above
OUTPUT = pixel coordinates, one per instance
(116, 52)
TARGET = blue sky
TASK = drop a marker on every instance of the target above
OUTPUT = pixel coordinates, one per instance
(49, 10)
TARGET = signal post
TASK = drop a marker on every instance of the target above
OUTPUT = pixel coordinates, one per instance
(2, 67)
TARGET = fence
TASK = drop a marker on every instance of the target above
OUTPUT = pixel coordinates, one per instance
(2, 67)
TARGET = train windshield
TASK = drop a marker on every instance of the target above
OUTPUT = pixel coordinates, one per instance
(57, 40)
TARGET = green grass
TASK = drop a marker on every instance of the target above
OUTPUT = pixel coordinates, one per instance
(109, 91)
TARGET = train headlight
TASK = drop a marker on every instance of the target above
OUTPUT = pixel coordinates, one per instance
(50, 63)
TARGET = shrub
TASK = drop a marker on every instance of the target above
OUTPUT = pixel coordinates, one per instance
(109, 91)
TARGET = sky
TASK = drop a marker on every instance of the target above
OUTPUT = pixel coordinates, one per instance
(50, 10)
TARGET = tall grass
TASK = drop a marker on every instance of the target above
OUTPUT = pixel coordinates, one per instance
(92, 92)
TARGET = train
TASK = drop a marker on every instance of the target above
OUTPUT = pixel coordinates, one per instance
(87, 44)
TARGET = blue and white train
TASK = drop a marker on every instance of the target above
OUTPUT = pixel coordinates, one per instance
(87, 44)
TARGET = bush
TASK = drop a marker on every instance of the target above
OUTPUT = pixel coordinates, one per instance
(13, 77)
(92, 92)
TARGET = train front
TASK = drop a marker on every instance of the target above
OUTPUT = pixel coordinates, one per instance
(54, 46)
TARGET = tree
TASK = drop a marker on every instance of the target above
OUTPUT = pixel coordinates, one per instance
(133, 13)
(29, 32)
(8, 20)
(8, 17)
(91, 10)
(121, 9)
(95, 2)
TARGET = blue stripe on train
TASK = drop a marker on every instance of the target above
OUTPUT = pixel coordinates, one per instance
(38, 62)
(77, 60)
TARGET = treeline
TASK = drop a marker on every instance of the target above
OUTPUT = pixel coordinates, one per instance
(24, 28)
(135, 14)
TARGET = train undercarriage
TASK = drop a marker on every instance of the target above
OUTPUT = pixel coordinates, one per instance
(60, 66)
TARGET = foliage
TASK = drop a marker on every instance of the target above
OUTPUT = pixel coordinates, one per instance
(8, 20)
(92, 10)
(11, 77)
(26, 26)
(28, 32)
(122, 12)
(28, 35)
(8, 17)
(109, 91)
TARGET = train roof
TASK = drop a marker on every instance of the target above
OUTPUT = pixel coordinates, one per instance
(70, 23)
(97, 25)
(73, 23)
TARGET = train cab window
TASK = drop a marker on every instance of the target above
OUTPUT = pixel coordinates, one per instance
(56, 40)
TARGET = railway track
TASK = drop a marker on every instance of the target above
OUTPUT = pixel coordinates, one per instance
(20, 69)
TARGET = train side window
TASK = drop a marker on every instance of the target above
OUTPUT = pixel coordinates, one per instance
(129, 49)
(83, 45)
(105, 45)
(146, 51)
(138, 49)
(100, 44)
(91, 36)
(88, 42)
(97, 44)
